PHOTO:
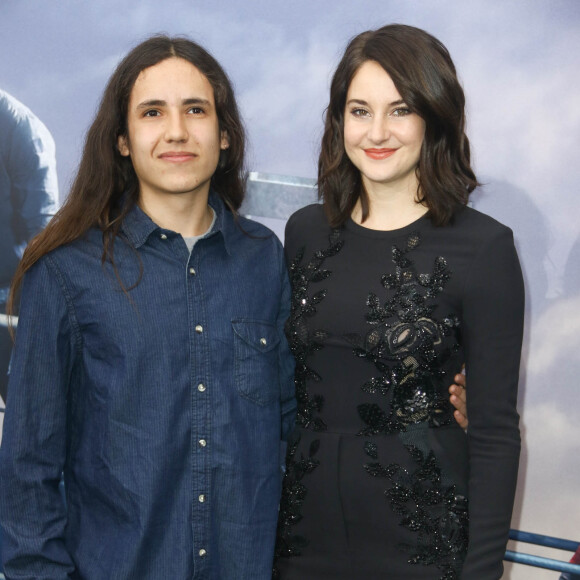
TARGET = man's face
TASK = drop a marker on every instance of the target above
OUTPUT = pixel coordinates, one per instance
(173, 140)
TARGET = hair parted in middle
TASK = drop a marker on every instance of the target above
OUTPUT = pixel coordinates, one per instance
(425, 76)
(106, 186)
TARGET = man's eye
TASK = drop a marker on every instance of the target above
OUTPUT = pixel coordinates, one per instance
(151, 113)
(196, 111)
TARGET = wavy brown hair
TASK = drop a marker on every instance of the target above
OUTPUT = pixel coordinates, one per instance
(106, 186)
(425, 76)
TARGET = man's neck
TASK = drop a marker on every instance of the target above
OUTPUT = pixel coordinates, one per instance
(186, 214)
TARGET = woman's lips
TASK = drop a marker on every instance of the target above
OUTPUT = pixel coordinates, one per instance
(379, 153)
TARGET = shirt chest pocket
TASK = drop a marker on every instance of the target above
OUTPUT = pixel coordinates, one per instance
(256, 360)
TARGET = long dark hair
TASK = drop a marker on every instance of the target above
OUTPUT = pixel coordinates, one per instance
(106, 186)
(425, 76)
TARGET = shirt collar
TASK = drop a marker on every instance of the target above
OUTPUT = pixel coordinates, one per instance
(138, 226)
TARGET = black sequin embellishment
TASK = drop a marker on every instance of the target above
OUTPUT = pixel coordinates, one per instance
(303, 344)
(404, 343)
(294, 492)
(435, 512)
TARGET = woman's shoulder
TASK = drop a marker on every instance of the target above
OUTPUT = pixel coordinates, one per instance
(307, 229)
(307, 222)
(312, 214)
(479, 226)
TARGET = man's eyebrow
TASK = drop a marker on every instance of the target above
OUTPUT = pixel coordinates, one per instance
(162, 103)
(196, 101)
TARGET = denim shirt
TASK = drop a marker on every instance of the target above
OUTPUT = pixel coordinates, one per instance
(28, 183)
(165, 406)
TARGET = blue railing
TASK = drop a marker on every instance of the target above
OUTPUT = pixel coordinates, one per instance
(540, 561)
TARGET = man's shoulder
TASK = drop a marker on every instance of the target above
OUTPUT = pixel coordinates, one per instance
(89, 244)
(253, 227)
(245, 232)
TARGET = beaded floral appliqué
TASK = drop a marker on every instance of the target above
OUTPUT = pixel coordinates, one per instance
(303, 344)
(435, 512)
(405, 344)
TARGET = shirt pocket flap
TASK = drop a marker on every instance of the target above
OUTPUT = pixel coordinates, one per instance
(261, 336)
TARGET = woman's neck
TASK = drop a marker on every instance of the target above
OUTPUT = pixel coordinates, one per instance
(389, 210)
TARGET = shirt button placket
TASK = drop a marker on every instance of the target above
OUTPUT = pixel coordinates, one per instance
(202, 459)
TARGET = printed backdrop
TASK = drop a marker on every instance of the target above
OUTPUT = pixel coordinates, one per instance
(518, 61)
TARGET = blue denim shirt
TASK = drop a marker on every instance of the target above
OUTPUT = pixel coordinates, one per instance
(28, 183)
(165, 407)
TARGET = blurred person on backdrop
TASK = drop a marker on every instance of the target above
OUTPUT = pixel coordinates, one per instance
(28, 198)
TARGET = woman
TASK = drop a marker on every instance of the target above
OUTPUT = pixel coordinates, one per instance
(396, 284)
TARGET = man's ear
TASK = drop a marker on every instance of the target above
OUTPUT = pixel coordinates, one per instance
(123, 146)
(225, 141)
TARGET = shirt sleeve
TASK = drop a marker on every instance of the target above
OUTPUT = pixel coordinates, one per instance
(493, 314)
(32, 455)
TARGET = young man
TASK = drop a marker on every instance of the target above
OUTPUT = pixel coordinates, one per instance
(150, 364)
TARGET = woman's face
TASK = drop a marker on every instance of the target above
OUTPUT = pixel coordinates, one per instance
(382, 137)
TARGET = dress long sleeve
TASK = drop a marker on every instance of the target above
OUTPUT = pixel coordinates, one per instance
(493, 313)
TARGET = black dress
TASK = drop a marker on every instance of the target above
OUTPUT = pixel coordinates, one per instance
(381, 482)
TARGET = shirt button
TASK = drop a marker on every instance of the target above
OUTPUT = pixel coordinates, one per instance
(192, 271)
(163, 236)
(201, 498)
(263, 342)
(203, 442)
(201, 387)
(202, 553)
(199, 329)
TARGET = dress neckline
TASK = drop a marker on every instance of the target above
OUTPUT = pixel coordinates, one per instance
(357, 229)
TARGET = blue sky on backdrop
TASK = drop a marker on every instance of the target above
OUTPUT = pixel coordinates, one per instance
(519, 62)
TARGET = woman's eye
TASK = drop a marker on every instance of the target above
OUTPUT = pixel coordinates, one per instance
(359, 112)
(401, 112)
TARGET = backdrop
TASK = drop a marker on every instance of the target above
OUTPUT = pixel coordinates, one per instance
(518, 61)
